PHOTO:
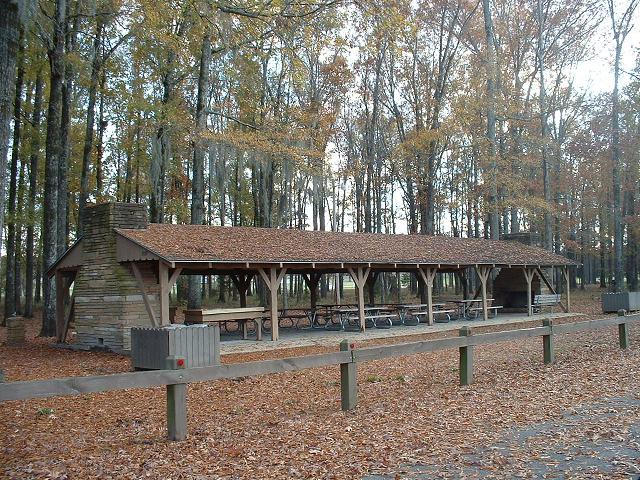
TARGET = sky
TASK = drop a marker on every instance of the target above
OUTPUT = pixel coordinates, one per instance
(596, 74)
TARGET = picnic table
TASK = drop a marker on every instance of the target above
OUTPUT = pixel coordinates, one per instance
(466, 306)
(421, 310)
(372, 313)
(223, 315)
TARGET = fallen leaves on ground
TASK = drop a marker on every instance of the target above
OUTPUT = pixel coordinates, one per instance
(290, 425)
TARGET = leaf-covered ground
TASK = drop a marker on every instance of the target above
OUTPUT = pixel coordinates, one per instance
(520, 419)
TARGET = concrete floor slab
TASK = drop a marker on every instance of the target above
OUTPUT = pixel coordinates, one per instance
(300, 337)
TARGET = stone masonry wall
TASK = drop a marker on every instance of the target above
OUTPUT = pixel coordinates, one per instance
(108, 301)
(510, 289)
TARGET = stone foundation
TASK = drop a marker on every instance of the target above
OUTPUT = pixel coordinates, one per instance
(15, 330)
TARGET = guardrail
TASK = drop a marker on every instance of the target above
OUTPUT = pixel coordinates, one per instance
(176, 377)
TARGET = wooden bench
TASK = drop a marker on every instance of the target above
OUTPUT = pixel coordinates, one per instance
(221, 315)
(545, 300)
(494, 308)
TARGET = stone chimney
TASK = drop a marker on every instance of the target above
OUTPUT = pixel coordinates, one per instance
(108, 300)
(528, 238)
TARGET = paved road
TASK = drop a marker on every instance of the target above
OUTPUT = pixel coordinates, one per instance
(600, 440)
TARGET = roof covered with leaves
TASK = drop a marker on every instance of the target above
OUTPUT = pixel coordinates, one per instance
(189, 243)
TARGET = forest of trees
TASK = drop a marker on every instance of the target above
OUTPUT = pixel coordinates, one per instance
(449, 117)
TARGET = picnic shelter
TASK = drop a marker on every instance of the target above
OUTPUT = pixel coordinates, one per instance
(120, 272)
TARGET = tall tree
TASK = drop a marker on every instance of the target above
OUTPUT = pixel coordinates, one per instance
(9, 302)
(199, 149)
(52, 161)
(492, 72)
(542, 100)
(33, 187)
(9, 34)
(87, 151)
(620, 28)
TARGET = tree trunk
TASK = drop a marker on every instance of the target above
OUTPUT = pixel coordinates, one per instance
(491, 66)
(33, 186)
(52, 162)
(197, 185)
(18, 236)
(102, 126)
(617, 284)
(10, 293)
(546, 169)
(65, 127)
(91, 114)
(9, 35)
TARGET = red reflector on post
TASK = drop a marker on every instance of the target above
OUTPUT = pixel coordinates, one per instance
(180, 362)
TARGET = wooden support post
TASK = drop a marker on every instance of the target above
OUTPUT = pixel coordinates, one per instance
(273, 304)
(174, 277)
(544, 278)
(528, 275)
(359, 276)
(466, 359)
(623, 332)
(63, 285)
(272, 280)
(60, 295)
(348, 380)
(567, 283)
(483, 273)
(143, 291)
(176, 404)
(361, 315)
(550, 287)
(428, 275)
(67, 320)
(547, 342)
(163, 276)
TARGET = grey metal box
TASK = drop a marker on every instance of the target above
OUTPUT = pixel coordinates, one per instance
(198, 344)
(612, 302)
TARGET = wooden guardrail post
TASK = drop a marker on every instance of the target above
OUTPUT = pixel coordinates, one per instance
(547, 342)
(466, 359)
(348, 380)
(176, 403)
(623, 331)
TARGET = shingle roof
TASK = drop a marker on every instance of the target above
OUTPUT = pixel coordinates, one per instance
(188, 243)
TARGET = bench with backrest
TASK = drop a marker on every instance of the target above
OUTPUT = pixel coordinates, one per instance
(545, 300)
(223, 315)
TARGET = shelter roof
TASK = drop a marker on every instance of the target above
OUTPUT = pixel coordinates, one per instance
(203, 243)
